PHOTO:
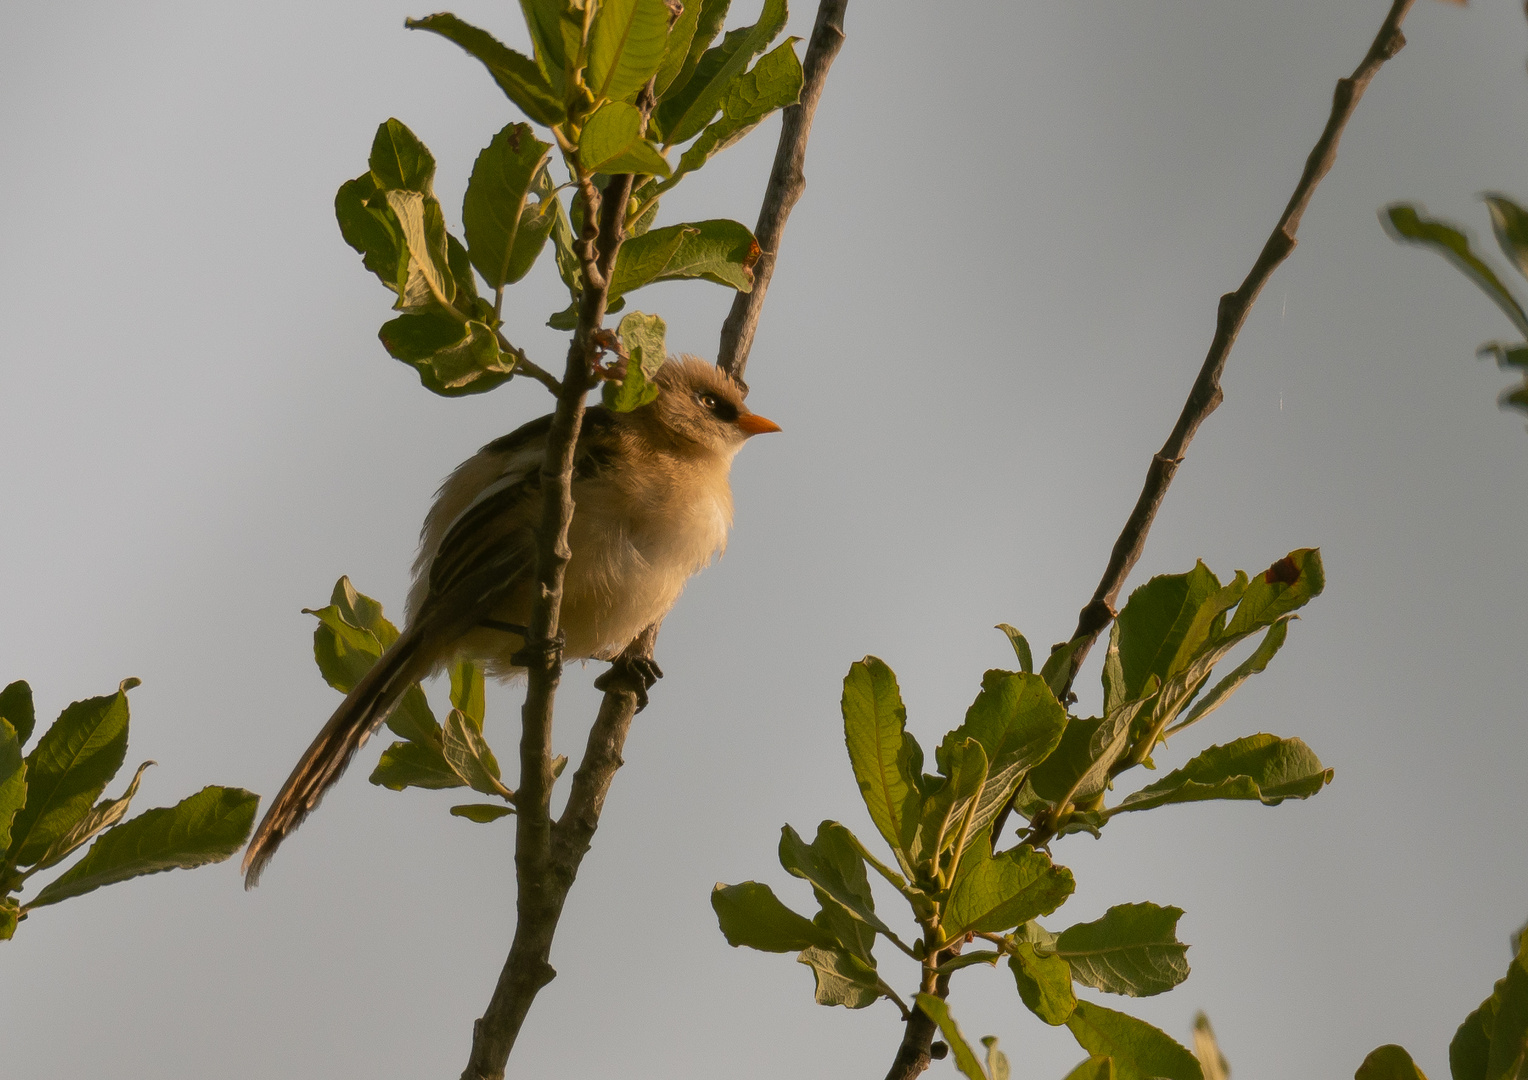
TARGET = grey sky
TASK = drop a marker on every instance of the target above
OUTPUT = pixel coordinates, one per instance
(990, 305)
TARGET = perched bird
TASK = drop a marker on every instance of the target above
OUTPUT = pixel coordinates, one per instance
(652, 505)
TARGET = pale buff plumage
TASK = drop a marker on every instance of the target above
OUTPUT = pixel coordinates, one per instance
(652, 506)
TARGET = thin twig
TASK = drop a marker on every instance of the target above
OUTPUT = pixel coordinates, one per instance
(1205, 396)
(523, 365)
(787, 180)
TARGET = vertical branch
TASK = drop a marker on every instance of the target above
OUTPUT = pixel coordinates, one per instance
(1205, 396)
(787, 180)
(540, 890)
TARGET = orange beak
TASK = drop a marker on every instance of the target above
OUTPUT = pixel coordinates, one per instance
(754, 424)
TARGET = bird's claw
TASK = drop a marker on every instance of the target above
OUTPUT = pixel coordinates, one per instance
(639, 673)
(541, 654)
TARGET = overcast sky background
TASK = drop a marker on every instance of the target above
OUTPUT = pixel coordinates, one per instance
(990, 305)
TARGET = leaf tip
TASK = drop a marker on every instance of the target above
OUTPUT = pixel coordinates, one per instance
(128, 684)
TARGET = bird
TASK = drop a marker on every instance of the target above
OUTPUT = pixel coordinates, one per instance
(652, 506)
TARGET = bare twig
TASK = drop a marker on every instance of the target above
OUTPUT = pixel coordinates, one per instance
(524, 366)
(1205, 396)
(787, 180)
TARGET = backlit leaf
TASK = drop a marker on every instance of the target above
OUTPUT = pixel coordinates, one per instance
(399, 161)
(414, 764)
(516, 75)
(992, 894)
(1262, 767)
(886, 759)
(774, 83)
(502, 179)
(686, 111)
(13, 780)
(1389, 1063)
(842, 978)
(482, 812)
(750, 915)
(206, 828)
(16, 706)
(1045, 983)
(1133, 950)
(612, 142)
(67, 771)
(1140, 1051)
(626, 45)
(965, 1059)
(1406, 224)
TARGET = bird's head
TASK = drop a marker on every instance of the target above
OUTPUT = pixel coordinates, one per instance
(700, 404)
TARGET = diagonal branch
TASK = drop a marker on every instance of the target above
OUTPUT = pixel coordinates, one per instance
(1205, 396)
(787, 180)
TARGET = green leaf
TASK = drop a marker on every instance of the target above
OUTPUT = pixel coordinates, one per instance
(371, 228)
(517, 75)
(482, 812)
(399, 161)
(833, 865)
(1406, 224)
(643, 337)
(468, 690)
(1262, 767)
(680, 60)
(677, 48)
(750, 914)
(612, 142)
(992, 894)
(67, 771)
(1132, 950)
(774, 83)
(1389, 1063)
(1057, 669)
(343, 651)
(1510, 224)
(468, 754)
(428, 280)
(10, 915)
(842, 978)
(1283, 588)
(642, 259)
(1020, 648)
(887, 760)
(414, 764)
(718, 250)
(1079, 768)
(948, 808)
(358, 609)
(452, 358)
(1140, 1051)
(102, 816)
(1508, 1057)
(206, 828)
(1045, 983)
(997, 1061)
(965, 1059)
(626, 45)
(554, 35)
(16, 706)
(1261, 657)
(1095, 1068)
(686, 111)
(502, 178)
(13, 778)
(1153, 630)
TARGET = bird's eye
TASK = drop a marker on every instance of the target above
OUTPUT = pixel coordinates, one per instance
(710, 401)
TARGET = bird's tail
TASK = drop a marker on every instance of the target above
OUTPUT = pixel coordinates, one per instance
(364, 709)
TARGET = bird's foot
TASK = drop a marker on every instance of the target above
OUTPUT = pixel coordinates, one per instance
(546, 655)
(640, 673)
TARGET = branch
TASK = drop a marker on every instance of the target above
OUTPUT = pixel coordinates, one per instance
(1205, 396)
(541, 891)
(787, 180)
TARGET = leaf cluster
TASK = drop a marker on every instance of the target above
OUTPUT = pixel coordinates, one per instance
(1019, 747)
(51, 806)
(1509, 222)
(351, 634)
(619, 86)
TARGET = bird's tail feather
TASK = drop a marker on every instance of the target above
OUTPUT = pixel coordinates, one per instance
(364, 709)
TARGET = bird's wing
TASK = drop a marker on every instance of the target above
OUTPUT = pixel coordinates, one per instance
(488, 546)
